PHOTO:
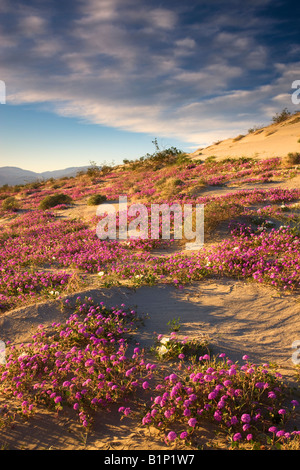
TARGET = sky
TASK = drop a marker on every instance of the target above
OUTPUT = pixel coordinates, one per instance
(100, 80)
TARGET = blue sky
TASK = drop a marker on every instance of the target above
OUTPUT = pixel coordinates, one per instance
(99, 80)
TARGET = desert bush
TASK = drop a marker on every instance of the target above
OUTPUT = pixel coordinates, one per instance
(33, 185)
(210, 159)
(194, 191)
(216, 213)
(93, 170)
(159, 159)
(239, 137)
(293, 158)
(96, 199)
(281, 117)
(255, 128)
(171, 186)
(10, 204)
(51, 201)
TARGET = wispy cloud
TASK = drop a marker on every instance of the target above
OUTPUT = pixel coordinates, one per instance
(187, 70)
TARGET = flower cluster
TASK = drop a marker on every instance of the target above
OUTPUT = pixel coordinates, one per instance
(169, 347)
(30, 271)
(243, 401)
(82, 363)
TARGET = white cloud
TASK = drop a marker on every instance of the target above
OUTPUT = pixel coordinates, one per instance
(142, 70)
(162, 18)
(32, 24)
(187, 43)
(95, 11)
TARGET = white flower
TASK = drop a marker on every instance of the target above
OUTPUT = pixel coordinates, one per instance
(101, 273)
(164, 340)
(52, 292)
(162, 350)
(22, 355)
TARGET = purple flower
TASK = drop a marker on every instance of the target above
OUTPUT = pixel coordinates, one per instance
(171, 436)
(212, 395)
(246, 427)
(259, 385)
(273, 429)
(227, 383)
(234, 420)
(217, 415)
(237, 436)
(173, 377)
(192, 422)
(245, 418)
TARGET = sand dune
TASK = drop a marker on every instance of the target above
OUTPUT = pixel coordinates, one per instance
(275, 140)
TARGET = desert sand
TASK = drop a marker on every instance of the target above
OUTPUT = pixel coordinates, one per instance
(238, 318)
(274, 140)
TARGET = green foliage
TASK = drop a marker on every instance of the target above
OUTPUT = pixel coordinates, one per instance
(239, 137)
(293, 158)
(93, 170)
(281, 117)
(10, 204)
(174, 324)
(96, 199)
(210, 159)
(51, 201)
(159, 159)
(171, 347)
(255, 129)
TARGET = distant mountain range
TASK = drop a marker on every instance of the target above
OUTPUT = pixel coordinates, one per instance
(12, 175)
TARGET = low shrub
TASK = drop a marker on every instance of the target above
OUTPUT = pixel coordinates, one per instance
(52, 201)
(293, 158)
(10, 204)
(239, 137)
(281, 117)
(96, 199)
